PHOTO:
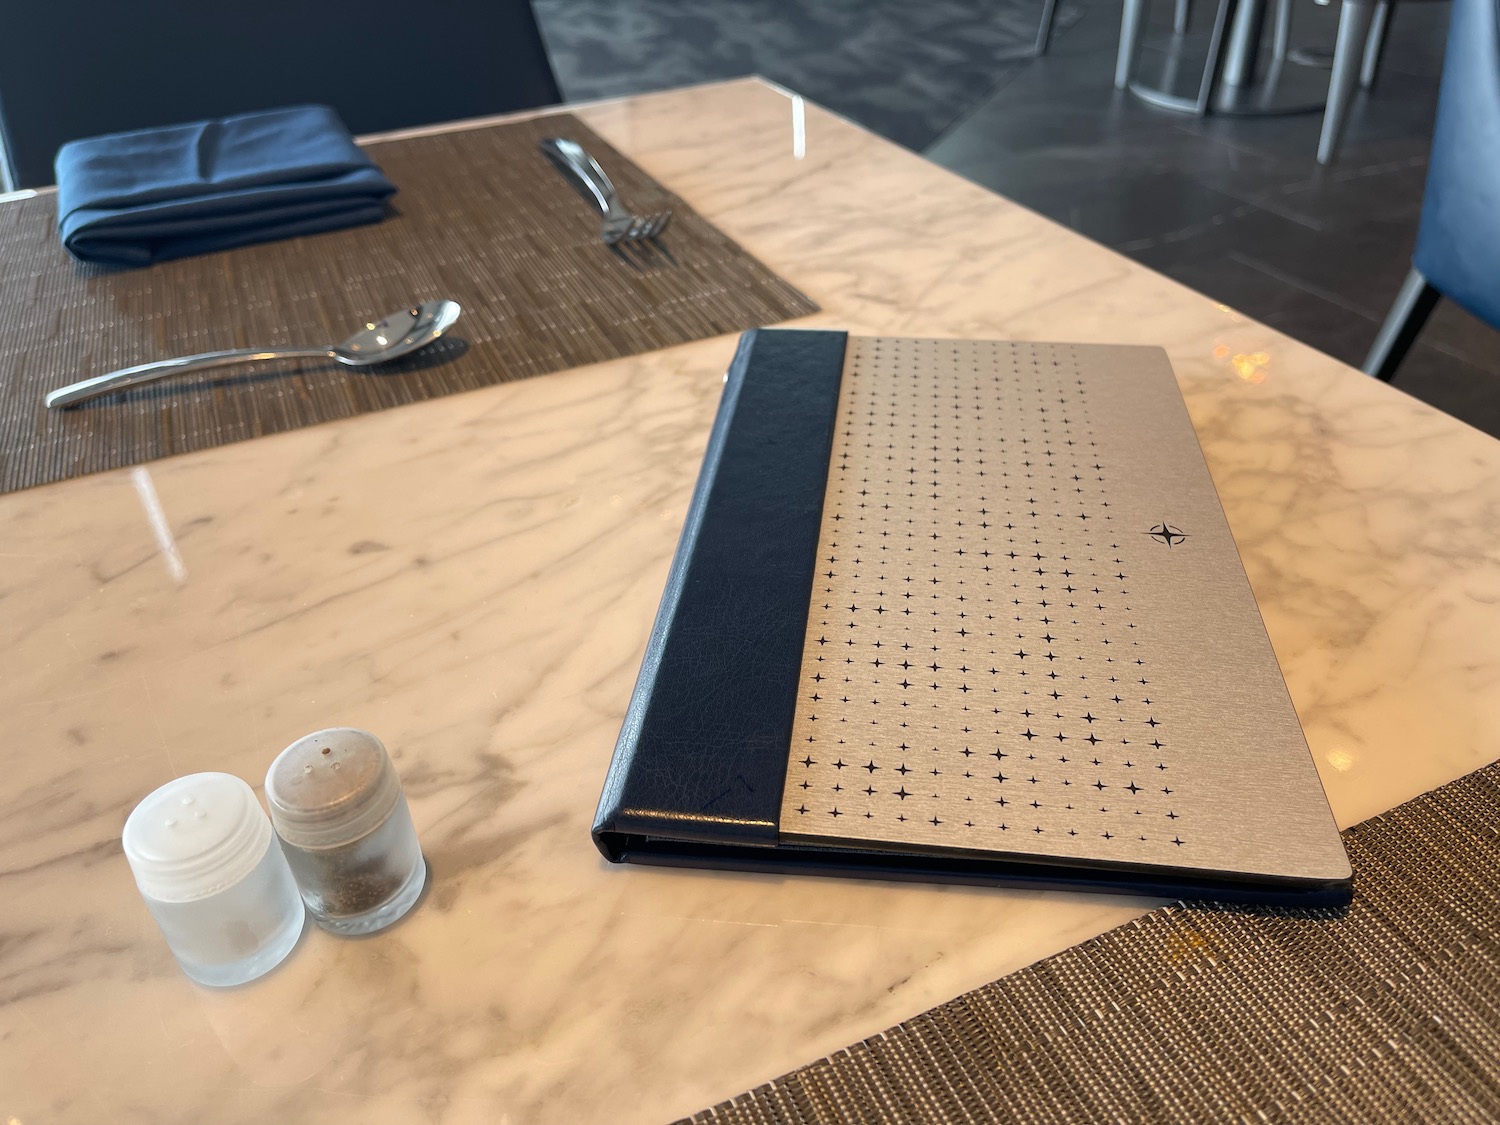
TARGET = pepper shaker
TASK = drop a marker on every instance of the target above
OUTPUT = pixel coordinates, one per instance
(339, 809)
(214, 878)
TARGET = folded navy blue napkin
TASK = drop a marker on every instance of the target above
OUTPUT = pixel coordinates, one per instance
(134, 198)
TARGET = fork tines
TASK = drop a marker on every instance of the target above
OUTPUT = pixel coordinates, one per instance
(637, 229)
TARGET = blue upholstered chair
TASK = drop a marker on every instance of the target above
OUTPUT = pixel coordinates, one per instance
(76, 70)
(1458, 244)
(1356, 59)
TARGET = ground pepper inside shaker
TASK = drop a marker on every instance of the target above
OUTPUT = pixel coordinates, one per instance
(338, 807)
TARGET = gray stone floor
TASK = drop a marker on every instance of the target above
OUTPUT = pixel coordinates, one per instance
(904, 68)
(1236, 208)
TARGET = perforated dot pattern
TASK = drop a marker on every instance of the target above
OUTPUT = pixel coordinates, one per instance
(974, 675)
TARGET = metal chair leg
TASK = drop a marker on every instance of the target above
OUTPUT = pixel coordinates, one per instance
(1214, 67)
(1354, 30)
(1412, 307)
(1283, 31)
(1130, 36)
(7, 168)
(1044, 29)
(1180, 16)
(1375, 44)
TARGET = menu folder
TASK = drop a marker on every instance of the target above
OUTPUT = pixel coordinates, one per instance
(987, 759)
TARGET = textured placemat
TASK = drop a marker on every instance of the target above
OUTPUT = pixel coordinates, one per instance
(1389, 1011)
(481, 217)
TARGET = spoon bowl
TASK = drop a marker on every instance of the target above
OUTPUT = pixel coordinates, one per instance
(391, 337)
(397, 334)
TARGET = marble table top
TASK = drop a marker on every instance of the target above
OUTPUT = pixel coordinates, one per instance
(473, 578)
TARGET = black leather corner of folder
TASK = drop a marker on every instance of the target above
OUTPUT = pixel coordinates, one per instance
(701, 758)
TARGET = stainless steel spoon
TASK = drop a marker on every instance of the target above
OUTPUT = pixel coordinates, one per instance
(398, 334)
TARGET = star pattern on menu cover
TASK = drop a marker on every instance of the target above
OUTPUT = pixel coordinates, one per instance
(1166, 533)
(972, 642)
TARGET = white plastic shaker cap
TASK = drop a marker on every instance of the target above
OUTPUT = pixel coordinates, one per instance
(195, 836)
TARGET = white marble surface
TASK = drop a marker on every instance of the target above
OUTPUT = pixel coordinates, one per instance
(473, 579)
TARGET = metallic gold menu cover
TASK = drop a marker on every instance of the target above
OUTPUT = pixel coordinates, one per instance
(1030, 632)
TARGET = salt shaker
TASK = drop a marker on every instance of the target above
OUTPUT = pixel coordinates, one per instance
(339, 809)
(214, 878)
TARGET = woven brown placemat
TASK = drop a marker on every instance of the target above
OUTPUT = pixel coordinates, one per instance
(1388, 1011)
(481, 217)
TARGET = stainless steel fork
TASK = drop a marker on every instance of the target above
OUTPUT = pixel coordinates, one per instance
(582, 169)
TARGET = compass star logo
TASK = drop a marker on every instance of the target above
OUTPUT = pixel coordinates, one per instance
(1166, 533)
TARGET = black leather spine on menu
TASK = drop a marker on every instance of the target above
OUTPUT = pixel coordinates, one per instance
(699, 768)
(701, 759)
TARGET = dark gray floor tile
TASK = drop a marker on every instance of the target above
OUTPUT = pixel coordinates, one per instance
(1312, 318)
(1358, 274)
(1134, 209)
(1461, 334)
(1352, 197)
(1467, 391)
